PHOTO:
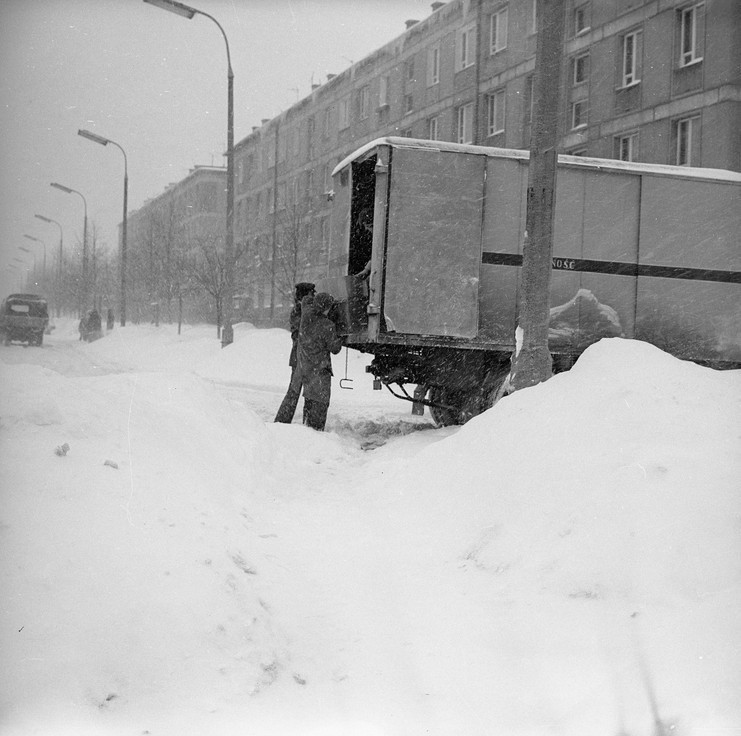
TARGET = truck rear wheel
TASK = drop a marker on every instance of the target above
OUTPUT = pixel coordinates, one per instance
(444, 413)
(454, 407)
(458, 406)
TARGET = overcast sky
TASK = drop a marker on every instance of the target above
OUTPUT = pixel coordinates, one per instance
(156, 84)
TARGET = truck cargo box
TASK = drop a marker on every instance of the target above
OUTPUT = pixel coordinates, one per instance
(640, 251)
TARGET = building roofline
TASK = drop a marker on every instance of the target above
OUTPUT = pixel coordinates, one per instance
(334, 80)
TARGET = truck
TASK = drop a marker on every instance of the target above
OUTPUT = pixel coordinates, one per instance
(425, 255)
(24, 318)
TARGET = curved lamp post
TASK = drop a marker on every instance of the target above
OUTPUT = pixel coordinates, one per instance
(85, 285)
(124, 249)
(59, 263)
(185, 11)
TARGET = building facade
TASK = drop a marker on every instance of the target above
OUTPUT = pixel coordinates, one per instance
(175, 250)
(642, 80)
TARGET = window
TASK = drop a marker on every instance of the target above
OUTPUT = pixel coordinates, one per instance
(498, 27)
(363, 98)
(408, 104)
(383, 92)
(464, 126)
(495, 113)
(534, 17)
(433, 128)
(345, 113)
(410, 70)
(289, 143)
(326, 177)
(529, 99)
(433, 66)
(466, 51)
(626, 147)
(689, 38)
(310, 182)
(686, 135)
(581, 19)
(406, 133)
(578, 152)
(310, 137)
(581, 69)
(578, 114)
(326, 118)
(631, 69)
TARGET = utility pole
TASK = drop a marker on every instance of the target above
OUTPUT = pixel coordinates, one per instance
(532, 362)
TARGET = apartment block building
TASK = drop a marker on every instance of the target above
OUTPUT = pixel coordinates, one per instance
(176, 239)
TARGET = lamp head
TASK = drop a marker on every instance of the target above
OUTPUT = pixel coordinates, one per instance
(62, 187)
(93, 137)
(174, 7)
(31, 237)
(41, 217)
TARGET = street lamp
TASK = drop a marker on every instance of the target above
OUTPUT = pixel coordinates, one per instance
(185, 11)
(124, 250)
(59, 264)
(69, 190)
(43, 245)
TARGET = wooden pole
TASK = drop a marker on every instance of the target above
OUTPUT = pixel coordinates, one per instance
(532, 362)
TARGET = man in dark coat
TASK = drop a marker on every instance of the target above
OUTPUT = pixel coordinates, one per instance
(288, 406)
(317, 339)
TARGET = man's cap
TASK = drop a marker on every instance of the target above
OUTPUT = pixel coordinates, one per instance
(303, 288)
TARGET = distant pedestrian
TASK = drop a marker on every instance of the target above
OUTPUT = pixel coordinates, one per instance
(109, 319)
(90, 326)
(317, 340)
(288, 406)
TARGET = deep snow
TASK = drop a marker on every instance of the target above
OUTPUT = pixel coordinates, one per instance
(566, 563)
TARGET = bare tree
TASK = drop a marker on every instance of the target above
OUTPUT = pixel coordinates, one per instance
(205, 265)
(296, 250)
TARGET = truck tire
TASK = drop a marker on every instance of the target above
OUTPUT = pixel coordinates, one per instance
(457, 407)
(442, 415)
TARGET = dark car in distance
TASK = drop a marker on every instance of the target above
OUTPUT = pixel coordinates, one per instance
(24, 318)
